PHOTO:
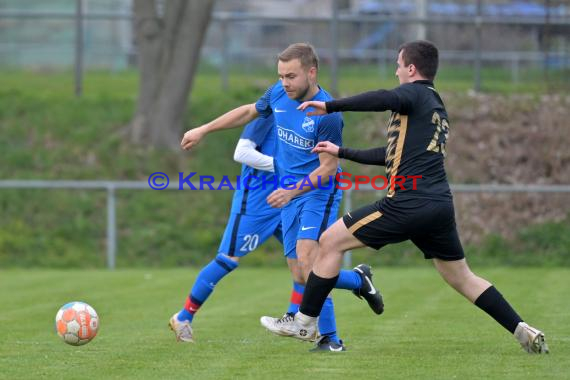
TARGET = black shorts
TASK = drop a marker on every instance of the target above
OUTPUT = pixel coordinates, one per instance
(429, 224)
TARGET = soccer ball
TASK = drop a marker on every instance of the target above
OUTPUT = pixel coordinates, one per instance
(76, 323)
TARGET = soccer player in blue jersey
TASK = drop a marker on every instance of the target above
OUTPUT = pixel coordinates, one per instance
(252, 221)
(308, 196)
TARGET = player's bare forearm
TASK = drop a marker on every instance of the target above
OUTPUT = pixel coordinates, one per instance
(235, 118)
(320, 176)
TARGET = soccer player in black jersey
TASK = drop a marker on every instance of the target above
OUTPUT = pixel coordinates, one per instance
(422, 212)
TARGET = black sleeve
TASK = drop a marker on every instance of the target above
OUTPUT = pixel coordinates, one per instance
(375, 156)
(398, 100)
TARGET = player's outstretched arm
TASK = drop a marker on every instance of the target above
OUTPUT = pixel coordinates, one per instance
(232, 119)
(397, 100)
(374, 156)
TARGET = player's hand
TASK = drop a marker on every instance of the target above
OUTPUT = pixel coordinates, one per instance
(326, 147)
(279, 198)
(320, 108)
(192, 138)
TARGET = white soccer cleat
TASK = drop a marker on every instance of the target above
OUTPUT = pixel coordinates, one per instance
(182, 330)
(296, 326)
(280, 326)
(531, 339)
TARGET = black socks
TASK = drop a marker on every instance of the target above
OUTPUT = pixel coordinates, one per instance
(493, 303)
(316, 291)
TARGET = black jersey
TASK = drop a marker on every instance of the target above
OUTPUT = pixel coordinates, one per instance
(417, 133)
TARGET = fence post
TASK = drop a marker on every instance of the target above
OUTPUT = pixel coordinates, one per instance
(111, 227)
(79, 48)
(334, 48)
(421, 28)
(515, 68)
(347, 260)
(478, 45)
(224, 68)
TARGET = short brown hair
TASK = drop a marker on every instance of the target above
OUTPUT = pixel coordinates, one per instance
(304, 52)
(423, 55)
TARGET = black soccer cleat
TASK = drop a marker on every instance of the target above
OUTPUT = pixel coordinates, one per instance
(326, 344)
(367, 290)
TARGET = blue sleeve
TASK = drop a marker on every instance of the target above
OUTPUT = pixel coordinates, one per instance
(263, 104)
(330, 129)
(257, 130)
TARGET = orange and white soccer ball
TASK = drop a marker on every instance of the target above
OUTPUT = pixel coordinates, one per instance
(76, 323)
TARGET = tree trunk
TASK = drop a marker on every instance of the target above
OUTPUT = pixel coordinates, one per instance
(168, 56)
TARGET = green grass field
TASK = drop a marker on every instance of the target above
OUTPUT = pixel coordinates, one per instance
(427, 331)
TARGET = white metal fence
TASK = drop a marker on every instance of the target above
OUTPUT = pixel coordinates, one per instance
(111, 186)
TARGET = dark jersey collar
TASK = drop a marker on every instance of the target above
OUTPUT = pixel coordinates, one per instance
(424, 81)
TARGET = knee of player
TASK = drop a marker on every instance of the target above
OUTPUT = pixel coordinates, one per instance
(299, 277)
(228, 257)
(457, 279)
(326, 241)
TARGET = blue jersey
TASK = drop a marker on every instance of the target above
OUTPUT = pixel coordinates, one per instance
(298, 133)
(251, 199)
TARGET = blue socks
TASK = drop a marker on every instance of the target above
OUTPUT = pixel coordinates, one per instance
(218, 268)
(348, 279)
(327, 321)
(204, 285)
(296, 298)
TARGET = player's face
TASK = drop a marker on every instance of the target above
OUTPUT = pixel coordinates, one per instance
(403, 71)
(296, 79)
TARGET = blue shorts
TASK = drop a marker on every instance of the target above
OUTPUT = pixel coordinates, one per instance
(245, 232)
(307, 218)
